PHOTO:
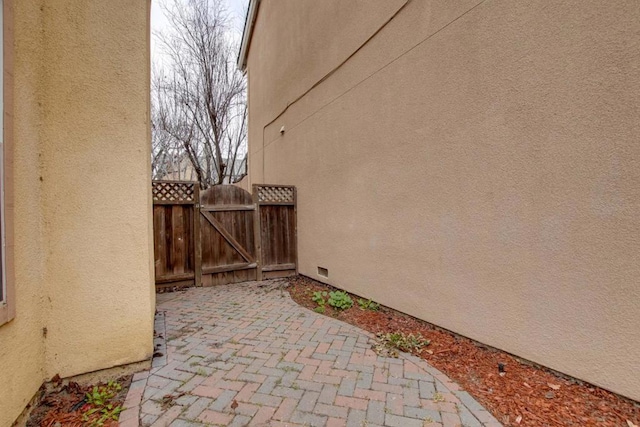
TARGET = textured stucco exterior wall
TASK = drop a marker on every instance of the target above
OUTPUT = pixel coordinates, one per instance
(83, 204)
(22, 352)
(96, 189)
(475, 164)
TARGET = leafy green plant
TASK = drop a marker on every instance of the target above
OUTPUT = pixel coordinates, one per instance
(368, 305)
(103, 410)
(111, 412)
(387, 344)
(405, 342)
(340, 300)
(106, 412)
(99, 395)
(319, 298)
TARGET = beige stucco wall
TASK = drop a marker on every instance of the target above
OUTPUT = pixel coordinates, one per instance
(22, 352)
(83, 206)
(475, 164)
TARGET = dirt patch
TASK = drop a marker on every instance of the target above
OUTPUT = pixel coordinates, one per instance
(67, 403)
(523, 395)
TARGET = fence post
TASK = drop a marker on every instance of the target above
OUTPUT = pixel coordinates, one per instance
(295, 225)
(257, 232)
(197, 236)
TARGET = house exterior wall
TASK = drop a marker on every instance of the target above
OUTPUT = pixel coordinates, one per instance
(82, 200)
(474, 164)
(22, 350)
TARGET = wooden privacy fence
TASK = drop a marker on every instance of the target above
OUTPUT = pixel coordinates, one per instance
(224, 234)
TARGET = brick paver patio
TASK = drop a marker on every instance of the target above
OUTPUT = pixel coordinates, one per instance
(247, 355)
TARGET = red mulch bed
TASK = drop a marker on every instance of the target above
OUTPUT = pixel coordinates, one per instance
(63, 403)
(527, 395)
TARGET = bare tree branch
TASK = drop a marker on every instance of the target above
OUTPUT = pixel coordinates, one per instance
(198, 101)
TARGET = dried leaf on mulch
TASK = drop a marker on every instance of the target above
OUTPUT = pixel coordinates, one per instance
(382, 348)
(517, 397)
(65, 404)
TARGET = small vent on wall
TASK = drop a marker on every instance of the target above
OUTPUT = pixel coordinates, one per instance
(323, 272)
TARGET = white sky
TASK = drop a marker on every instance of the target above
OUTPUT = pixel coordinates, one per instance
(236, 9)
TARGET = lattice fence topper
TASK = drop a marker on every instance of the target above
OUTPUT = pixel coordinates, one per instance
(173, 191)
(275, 194)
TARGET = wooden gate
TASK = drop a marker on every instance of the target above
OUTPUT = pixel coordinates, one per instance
(223, 234)
(228, 247)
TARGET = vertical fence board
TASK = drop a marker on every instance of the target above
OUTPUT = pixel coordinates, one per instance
(257, 234)
(197, 238)
(160, 240)
(293, 223)
(177, 249)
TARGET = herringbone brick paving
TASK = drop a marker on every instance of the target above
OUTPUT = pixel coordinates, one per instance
(247, 355)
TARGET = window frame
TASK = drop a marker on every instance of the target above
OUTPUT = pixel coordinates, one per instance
(7, 305)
